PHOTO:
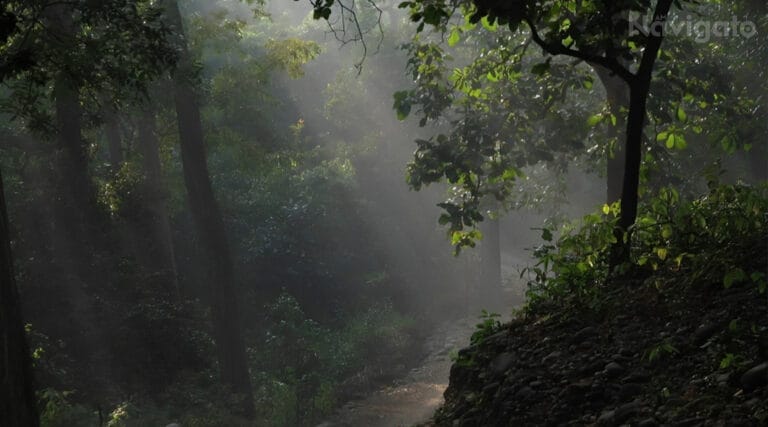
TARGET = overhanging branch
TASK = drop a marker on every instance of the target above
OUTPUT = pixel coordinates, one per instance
(611, 64)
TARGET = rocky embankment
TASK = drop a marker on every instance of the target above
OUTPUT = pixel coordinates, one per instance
(666, 355)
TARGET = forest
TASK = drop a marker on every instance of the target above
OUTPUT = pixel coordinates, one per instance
(375, 213)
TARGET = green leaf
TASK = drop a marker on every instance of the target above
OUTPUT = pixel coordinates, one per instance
(681, 115)
(671, 141)
(487, 25)
(454, 37)
(402, 105)
(595, 119)
(680, 142)
(734, 276)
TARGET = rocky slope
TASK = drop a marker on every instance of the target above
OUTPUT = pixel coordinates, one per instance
(652, 353)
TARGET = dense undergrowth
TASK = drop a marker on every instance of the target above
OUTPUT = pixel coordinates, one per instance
(302, 370)
(712, 239)
(676, 336)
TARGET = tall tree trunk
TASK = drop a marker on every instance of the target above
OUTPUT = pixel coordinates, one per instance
(490, 261)
(18, 406)
(617, 92)
(639, 89)
(161, 257)
(634, 152)
(77, 212)
(210, 226)
(114, 142)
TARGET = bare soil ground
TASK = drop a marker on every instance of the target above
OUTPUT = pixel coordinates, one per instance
(413, 398)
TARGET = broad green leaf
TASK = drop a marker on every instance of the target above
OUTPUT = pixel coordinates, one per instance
(733, 276)
(680, 142)
(595, 119)
(487, 25)
(454, 37)
(671, 141)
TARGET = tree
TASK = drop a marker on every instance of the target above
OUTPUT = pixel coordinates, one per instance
(208, 221)
(18, 404)
(47, 54)
(594, 32)
(160, 257)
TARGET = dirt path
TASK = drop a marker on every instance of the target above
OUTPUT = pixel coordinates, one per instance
(415, 397)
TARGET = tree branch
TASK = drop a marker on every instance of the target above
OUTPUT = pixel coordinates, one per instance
(611, 64)
(655, 37)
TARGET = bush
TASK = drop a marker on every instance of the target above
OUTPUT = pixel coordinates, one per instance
(718, 238)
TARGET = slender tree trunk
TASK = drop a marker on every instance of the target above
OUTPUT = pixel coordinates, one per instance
(617, 92)
(161, 257)
(631, 182)
(18, 405)
(210, 227)
(490, 260)
(114, 142)
(639, 89)
(634, 148)
(77, 214)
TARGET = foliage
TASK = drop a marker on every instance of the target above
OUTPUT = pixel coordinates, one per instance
(309, 365)
(58, 411)
(576, 264)
(542, 116)
(662, 349)
(489, 325)
(718, 238)
(709, 239)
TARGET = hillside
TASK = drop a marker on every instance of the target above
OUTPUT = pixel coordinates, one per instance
(667, 345)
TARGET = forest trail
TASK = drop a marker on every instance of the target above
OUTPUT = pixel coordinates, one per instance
(413, 398)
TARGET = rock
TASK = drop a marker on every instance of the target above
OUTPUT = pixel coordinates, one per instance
(607, 418)
(624, 412)
(551, 357)
(575, 392)
(498, 337)
(690, 422)
(502, 363)
(467, 351)
(584, 333)
(755, 378)
(723, 379)
(613, 370)
(630, 390)
(525, 393)
(704, 332)
(636, 377)
(648, 422)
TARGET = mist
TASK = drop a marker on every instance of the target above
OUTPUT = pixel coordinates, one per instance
(294, 213)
